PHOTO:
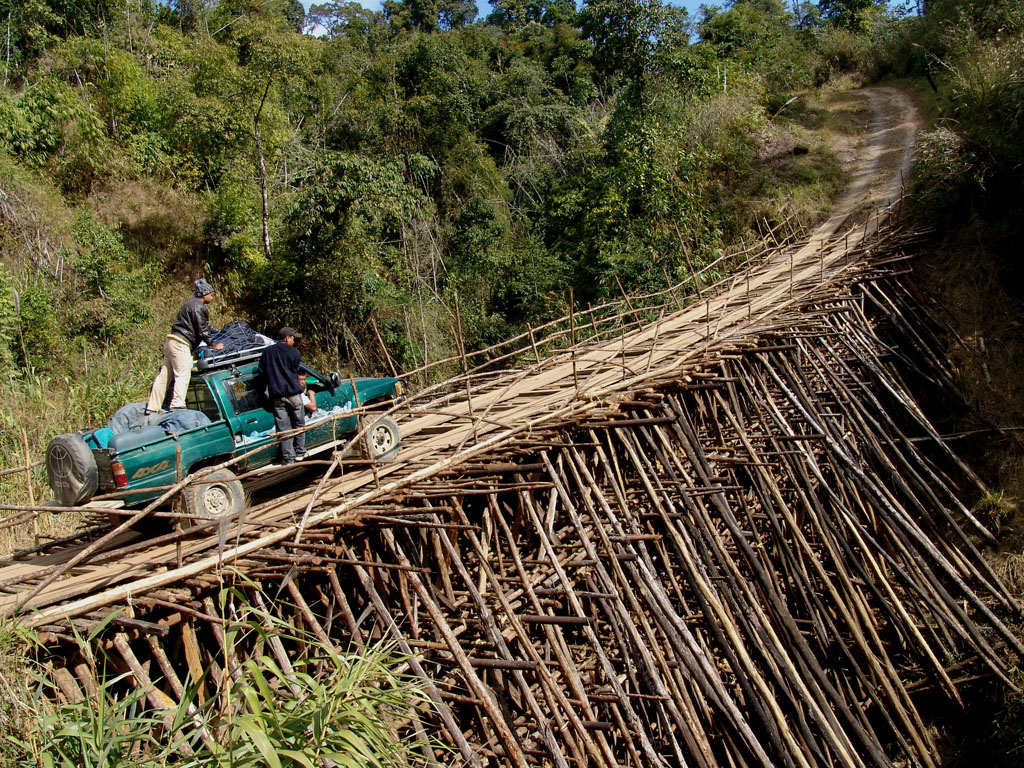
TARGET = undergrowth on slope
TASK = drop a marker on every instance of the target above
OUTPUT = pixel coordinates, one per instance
(969, 286)
(350, 708)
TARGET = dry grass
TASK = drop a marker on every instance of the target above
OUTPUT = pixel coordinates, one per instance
(154, 220)
(1009, 566)
(38, 406)
(986, 356)
(36, 231)
(15, 686)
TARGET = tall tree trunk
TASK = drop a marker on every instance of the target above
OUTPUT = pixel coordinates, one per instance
(263, 172)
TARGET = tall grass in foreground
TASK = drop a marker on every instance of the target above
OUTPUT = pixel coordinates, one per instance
(331, 708)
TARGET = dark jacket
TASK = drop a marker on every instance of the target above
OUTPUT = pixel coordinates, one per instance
(279, 366)
(193, 323)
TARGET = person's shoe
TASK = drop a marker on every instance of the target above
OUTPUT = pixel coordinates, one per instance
(287, 462)
(301, 456)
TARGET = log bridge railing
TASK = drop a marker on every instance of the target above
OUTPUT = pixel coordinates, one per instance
(725, 535)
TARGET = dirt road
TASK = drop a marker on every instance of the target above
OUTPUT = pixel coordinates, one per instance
(881, 158)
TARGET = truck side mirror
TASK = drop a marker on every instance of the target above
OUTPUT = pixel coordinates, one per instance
(335, 381)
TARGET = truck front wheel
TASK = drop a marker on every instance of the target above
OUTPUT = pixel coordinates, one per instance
(217, 495)
(384, 439)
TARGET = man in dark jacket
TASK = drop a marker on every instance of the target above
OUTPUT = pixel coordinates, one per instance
(279, 367)
(190, 327)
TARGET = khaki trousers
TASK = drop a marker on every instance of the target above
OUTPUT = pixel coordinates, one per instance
(177, 363)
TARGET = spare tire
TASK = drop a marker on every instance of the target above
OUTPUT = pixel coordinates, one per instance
(71, 469)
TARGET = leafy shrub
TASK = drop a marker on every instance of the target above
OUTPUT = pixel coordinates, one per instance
(942, 174)
(114, 297)
(901, 48)
(124, 95)
(44, 340)
(987, 96)
(842, 51)
(15, 128)
(231, 230)
(347, 708)
(46, 118)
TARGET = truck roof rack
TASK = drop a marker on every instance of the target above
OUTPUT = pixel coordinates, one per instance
(216, 362)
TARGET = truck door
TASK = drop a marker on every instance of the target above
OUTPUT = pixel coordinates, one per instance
(328, 424)
(251, 422)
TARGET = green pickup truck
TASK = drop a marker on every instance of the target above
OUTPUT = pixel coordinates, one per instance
(231, 396)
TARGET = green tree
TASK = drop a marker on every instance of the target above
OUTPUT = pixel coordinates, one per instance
(337, 19)
(851, 14)
(761, 36)
(30, 26)
(268, 55)
(627, 35)
(516, 14)
(443, 90)
(294, 14)
(455, 14)
(748, 30)
(339, 238)
(201, 120)
(429, 15)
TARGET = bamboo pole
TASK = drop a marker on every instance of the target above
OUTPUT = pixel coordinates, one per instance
(28, 486)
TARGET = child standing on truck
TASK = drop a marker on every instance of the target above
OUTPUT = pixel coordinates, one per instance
(190, 327)
(279, 367)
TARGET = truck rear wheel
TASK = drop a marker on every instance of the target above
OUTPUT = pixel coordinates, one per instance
(384, 439)
(71, 470)
(216, 496)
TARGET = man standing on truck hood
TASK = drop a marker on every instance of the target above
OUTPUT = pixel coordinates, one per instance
(279, 366)
(190, 327)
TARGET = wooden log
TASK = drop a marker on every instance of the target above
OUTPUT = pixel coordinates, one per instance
(497, 639)
(508, 740)
(436, 695)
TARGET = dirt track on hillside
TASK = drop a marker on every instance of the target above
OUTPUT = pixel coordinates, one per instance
(878, 159)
